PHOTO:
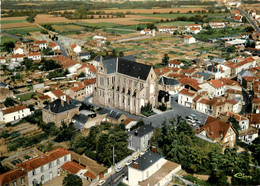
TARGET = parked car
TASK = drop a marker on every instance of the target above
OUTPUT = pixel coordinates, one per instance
(135, 157)
(191, 122)
(128, 162)
(119, 168)
(101, 182)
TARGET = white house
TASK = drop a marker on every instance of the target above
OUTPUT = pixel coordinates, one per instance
(101, 39)
(54, 46)
(96, 61)
(145, 32)
(243, 121)
(185, 97)
(56, 94)
(170, 30)
(17, 58)
(145, 170)
(189, 26)
(217, 24)
(177, 64)
(215, 88)
(89, 70)
(84, 55)
(248, 135)
(13, 114)
(42, 169)
(189, 39)
(2, 60)
(41, 43)
(18, 50)
(76, 48)
(90, 85)
(35, 56)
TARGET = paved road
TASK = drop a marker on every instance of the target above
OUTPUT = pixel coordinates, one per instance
(117, 177)
(250, 20)
(62, 48)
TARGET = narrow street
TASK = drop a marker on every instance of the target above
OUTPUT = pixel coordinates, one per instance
(250, 20)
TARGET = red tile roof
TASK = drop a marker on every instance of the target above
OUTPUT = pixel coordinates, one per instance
(52, 44)
(215, 128)
(232, 91)
(14, 109)
(237, 18)
(12, 175)
(162, 70)
(255, 119)
(89, 81)
(229, 82)
(197, 98)
(35, 54)
(188, 71)
(195, 28)
(128, 120)
(191, 82)
(72, 167)
(64, 61)
(175, 62)
(214, 102)
(74, 45)
(77, 87)
(39, 161)
(187, 37)
(237, 116)
(40, 42)
(92, 68)
(216, 83)
(57, 92)
(90, 175)
(198, 25)
(2, 57)
(187, 92)
(175, 75)
(43, 97)
(17, 56)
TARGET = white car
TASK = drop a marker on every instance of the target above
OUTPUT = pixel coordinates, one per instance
(128, 162)
(135, 157)
(101, 182)
(119, 168)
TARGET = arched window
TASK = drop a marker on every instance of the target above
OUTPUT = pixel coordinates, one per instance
(58, 161)
(34, 182)
(50, 165)
(42, 178)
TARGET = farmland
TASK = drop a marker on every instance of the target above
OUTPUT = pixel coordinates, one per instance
(21, 31)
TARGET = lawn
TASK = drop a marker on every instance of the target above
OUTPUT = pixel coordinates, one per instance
(26, 97)
(22, 31)
(12, 21)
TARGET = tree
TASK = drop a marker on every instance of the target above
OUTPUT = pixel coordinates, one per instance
(121, 54)
(9, 102)
(71, 179)
(249, 29)
(165, 59)
(113, 54)
(82, 74)
(218, 178)
(8, 46)
(234, 122)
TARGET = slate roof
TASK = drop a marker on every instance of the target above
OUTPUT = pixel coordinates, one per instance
(204, 74)
(81, 54)
(141, 131)
(127, 66)
(112, 114)
(98, 58)
(246, 73)
(168, 81)
(81, 118)
(57, 107)
(146, 160)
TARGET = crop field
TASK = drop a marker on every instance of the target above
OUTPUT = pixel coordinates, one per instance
(13, 21)
(22, 31)
(61, 28)
(175, 23)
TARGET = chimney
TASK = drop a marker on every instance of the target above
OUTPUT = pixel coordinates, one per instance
(154, 149)
(68, 100)
(62, 102)
(47, 153)
(136, 165)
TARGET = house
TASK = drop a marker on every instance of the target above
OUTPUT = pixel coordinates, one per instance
(151, 169)
(248, 135)
(2, 60)
(100, 39)
(84, 55)
(18, 50)
(36, 56)
(76, 48)
(59, 111)
(129, 123)
(126, 85)
(170, 85)
(41, 43)
(56, 94)
(218, 131)
(185, 97)
(217, 24)
(54, 46)
(189, 26)
(238, 18)
(170, 30)
(112, 116)
(189, 83)
(217, 71)
(242, 120)
(244, 73)
(139, 138)
(17, 58)
(90, 85)
(15, 177)
(43, 100)
(177, 64)
(145, 32)
(255, 120)
(78, 91)
(236, 42)
(90, 71)
(96, 61)
(14, 114)
(42, 169)
(64, 61)
(231, 84)
(215, 88)
(189, 39)
(194, 30)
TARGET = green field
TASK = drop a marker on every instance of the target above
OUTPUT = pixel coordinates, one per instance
(5, 39)
(67, 28)
(13, 21)
(117, 31)
(22, 31)
(147, 20)
(175, 23)
(173, 16)
(97, 25)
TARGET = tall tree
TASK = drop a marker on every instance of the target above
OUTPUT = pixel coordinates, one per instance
(165, 59)
(71, 179)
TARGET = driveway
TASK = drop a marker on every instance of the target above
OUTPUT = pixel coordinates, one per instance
(117, 177)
